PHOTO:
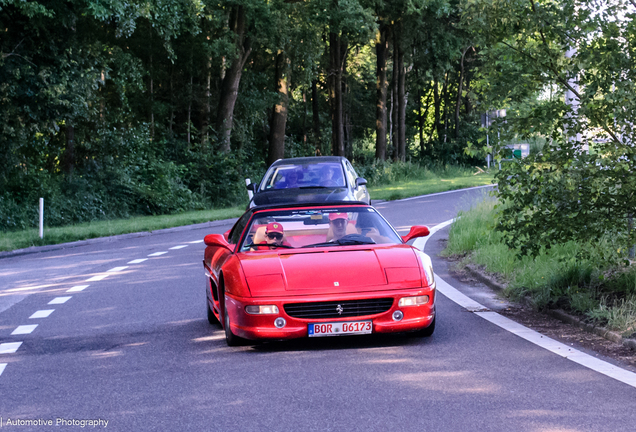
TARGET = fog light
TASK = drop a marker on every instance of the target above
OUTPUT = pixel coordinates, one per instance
(262, 310)
(280, 322)
(413, 301)
(398, 315)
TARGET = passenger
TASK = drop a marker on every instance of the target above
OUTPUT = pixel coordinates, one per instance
(274, 234)
(338, 223)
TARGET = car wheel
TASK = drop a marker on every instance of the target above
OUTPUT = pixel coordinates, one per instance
(212, 319)
(231, 338)
(428, 331)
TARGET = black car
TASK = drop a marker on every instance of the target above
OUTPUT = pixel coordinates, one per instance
(311, 180)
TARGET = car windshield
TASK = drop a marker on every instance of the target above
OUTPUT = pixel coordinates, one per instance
(308, 228)
(313, 175)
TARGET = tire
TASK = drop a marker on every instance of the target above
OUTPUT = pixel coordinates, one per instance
(428, 331)
(212, 319)
(230, 338)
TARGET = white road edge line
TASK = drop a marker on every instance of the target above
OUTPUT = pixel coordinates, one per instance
(179, 247)
(42, 313)
(526, 333)
(60, 300)
(24, 329)
(78, 288)
(137, 261)
(10, 347)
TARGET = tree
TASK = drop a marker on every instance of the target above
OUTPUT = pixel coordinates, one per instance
(566, 193)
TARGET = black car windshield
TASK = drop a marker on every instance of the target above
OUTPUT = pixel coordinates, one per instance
(318, 227)
(313, 175)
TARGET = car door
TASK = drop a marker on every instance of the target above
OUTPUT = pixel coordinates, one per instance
(359, 193)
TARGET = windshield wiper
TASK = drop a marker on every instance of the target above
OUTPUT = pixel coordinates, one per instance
(348, 240)
(270, 245)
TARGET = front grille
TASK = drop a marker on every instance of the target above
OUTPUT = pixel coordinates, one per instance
(330, 309)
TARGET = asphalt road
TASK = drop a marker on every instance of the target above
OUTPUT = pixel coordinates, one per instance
(133, 347)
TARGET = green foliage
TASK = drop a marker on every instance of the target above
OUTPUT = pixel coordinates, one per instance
(581, 277)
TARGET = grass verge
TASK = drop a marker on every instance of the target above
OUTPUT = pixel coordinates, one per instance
(557, 278)
(22, 239)
(428, 182)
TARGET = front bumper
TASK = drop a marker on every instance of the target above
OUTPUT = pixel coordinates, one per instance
(261, 327)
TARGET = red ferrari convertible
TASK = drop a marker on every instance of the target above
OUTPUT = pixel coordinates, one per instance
(293, 271)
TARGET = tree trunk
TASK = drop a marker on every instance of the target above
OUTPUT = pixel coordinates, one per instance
(445, 93)
(69, 152)
(315, 114)
(152, 95)
(205, 109)
(171, 120)
(335, 94)
(279, 115)
(189, 110)
(381, 49)
(459, 91)
(232, 79)
(401, 105)
(395, 104)
(438, 102)
(422, 120)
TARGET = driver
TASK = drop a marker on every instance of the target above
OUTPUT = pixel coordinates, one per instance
(338, 223)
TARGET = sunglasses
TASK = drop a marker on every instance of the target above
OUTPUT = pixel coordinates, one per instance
(275, 236)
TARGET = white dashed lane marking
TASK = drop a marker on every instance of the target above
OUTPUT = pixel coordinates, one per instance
(78, 288)
(2, 366)
(137, 261)
(60, 300)
(9, 347)
(157, 254)
(98, 277)
(196, 241)
(117, 269)
(42, 313)
(178, 247)
(24, 329)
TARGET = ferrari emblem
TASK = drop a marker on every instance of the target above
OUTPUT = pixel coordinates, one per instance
(336, 284)
(339, 309)
(275, 225)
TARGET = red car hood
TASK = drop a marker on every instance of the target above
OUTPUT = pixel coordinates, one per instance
(330, 271)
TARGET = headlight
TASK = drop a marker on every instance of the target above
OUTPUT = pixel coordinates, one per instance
(261, 310)
(428, 268)
(413, 301)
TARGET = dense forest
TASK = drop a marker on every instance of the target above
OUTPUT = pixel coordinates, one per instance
(111, 108)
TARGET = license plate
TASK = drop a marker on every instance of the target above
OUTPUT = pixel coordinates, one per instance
(340, 328)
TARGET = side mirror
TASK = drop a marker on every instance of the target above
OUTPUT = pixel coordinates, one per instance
(416, 231)
(216, 240)
(360, 182)
(226, 235)
(250, 187)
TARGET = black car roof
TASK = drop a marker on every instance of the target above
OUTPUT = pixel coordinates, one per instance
(308, 204)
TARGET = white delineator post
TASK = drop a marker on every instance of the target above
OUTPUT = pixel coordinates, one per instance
(41, 217)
